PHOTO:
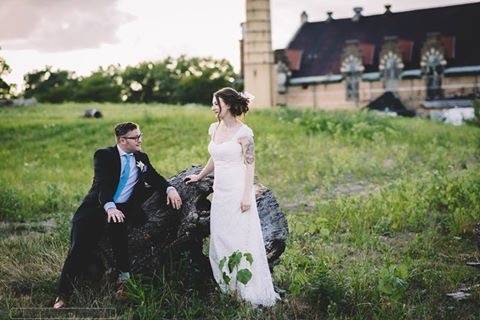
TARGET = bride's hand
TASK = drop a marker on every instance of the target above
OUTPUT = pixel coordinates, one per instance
(192, 178)
(245, 204)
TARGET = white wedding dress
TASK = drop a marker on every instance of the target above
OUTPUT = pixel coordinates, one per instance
(231, 229)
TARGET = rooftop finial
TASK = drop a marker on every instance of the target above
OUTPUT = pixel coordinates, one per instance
(329, 16)
(388, 9)
(304, 17)
(358, 13)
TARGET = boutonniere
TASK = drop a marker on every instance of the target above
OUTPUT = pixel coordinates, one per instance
(142, 166)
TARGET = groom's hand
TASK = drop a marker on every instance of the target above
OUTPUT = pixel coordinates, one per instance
(115, 215)
(174, 199)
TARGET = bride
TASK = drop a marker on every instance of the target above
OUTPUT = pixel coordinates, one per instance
(237, 251)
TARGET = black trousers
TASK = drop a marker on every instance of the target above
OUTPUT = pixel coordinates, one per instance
(84, 238)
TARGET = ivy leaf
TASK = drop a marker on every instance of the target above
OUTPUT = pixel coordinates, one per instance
(244, 276)
(249, 257)
(222, 263)
(234, 260)
(226, 278)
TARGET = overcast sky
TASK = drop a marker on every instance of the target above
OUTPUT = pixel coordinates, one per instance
(81, 35)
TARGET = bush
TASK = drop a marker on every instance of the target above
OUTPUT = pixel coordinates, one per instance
(476, 110)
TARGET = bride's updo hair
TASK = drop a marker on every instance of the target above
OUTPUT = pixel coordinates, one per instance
(238, 103)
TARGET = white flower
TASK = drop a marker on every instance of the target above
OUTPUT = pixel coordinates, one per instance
(142, 166)
(247, 95)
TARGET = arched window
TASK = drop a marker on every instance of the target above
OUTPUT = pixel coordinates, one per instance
(391, 67)
(352, 69)
(433, 64)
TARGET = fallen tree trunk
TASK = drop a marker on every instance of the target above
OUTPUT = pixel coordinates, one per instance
(168, 231)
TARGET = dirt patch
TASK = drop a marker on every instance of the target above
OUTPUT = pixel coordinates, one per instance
(398, 240)
(21, 229)
(355, 188)
(309, 202)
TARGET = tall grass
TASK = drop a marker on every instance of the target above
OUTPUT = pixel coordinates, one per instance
(381, 210)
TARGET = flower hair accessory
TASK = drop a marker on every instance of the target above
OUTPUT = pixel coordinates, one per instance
(247, 95)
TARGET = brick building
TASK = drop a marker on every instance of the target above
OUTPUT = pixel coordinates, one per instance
(428, 58)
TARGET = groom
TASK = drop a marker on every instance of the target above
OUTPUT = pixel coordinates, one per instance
(116, 196)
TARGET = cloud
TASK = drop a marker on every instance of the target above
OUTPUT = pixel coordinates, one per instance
(56, 25)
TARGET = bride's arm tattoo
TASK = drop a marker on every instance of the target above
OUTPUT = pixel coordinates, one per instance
(249, 151)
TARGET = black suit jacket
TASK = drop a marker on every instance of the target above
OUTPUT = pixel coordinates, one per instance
(107, 165)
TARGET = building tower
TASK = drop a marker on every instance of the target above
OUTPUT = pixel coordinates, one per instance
(257, 53)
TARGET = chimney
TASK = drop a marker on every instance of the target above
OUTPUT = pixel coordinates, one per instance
(242, 58)
(387, 9)
(258, 58)
(303, 17)
(329, 16)
(358, 14)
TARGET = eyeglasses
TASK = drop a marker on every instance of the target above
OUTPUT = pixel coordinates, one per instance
(136, 138)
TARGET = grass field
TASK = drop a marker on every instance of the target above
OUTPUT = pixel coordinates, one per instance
(380, 210)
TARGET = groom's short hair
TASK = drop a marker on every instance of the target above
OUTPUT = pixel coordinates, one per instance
(122, 129)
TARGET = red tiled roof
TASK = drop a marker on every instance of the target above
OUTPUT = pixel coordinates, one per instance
(406, 49)
(367, 50)
(294, 58)
(449, 45)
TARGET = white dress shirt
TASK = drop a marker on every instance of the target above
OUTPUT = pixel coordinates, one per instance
(132, 179)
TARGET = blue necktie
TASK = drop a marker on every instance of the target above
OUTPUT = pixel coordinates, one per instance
(123, 177)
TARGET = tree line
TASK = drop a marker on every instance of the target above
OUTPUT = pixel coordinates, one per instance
(171, 80)
(6, 89)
